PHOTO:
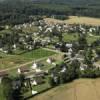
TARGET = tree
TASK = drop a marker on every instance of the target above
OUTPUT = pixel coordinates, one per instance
(51, 82)
(7, 88)
(88, 57)
(74, 69)
(62, 77)
(82, 41)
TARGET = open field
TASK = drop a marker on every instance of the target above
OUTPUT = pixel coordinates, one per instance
(7, 61)
(76, 20)
(82, 89)
(74, 37)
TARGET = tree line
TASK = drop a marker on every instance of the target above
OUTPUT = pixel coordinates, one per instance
(17, 11)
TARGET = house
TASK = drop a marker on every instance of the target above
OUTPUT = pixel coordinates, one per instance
(2, 75)
(38, 70)
(7, 27)
(83, 67)
(37, 81)
(49, 61)
(63, 70)
(35, 78)
(14, 46)
(23, 70)
(34, 66)
(34, 92)
(68, 45)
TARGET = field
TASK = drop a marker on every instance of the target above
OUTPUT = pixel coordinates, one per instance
(7, 61)
(82, 89)
(68, 37)
(76, 20)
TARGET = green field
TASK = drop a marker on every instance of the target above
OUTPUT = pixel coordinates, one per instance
(68, 37)
(7, 60)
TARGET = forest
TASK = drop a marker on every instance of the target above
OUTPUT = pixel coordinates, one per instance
(20, 11)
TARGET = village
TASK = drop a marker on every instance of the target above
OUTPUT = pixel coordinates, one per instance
(48, 54)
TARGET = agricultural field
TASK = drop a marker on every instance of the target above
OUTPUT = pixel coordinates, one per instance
(76, 20)
(7, 60)
(81, 89)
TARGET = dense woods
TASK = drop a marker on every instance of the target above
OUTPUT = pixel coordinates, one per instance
(21, 11)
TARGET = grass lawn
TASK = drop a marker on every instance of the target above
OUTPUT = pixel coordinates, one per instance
(93, 38)
(74, 37)
(81, 89)
(68, 37)
(38, 53)
(30, 29)
(7, 61)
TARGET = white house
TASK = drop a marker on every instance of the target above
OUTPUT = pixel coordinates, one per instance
(49, 61)
(37, 81)
(38, 70)
(19, 71)
(14, 46)
(23, 70)
(34, 92)
(68, 45)
(34, 66)
(63, 70)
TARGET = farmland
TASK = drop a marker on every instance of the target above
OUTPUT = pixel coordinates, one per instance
(76, 20)
(81, 89)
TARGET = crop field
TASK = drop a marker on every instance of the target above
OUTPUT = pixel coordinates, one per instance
(82, 89)
(76, 20)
